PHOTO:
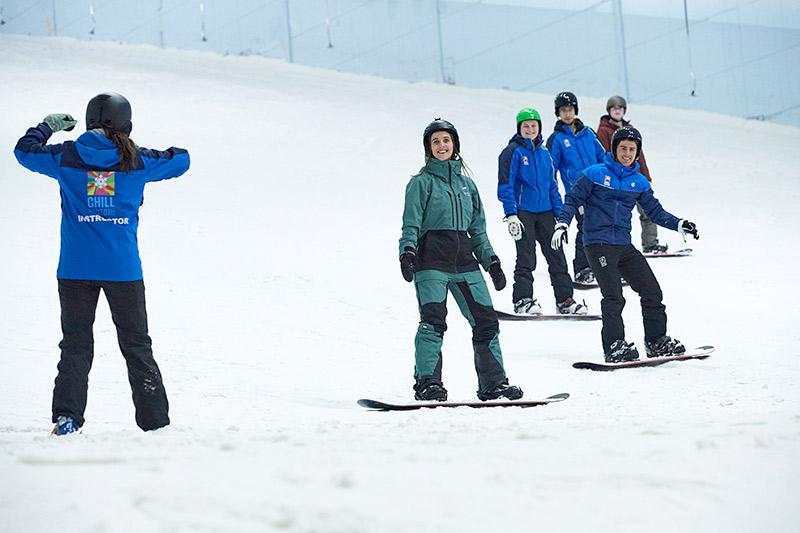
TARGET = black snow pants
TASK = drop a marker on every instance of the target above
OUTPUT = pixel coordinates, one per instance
(539, 227)
(580, 261)
(127, 303)
(609, 262)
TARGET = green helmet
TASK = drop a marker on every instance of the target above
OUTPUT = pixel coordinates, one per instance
(528, 113)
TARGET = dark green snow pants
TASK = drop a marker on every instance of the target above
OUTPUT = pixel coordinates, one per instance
(472, 296)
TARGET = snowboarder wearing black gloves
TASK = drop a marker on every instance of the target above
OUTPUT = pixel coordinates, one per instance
(527, 188)
(102, 177)
(443, 244)
(609, 192)
(616, 106)
(573, 147)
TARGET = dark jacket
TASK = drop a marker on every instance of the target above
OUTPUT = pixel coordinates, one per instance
(608, 192)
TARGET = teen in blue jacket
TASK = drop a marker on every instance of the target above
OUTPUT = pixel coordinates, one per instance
(528, 190)
(574, 147)
(102, 177)
(608, 192)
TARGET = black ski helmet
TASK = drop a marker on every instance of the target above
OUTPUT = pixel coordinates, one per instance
(109, 110)
(626, 133)
(566, 98)
(440, 125)
(616, 101)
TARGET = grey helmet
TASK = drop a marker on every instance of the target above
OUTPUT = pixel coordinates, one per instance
(616, 101)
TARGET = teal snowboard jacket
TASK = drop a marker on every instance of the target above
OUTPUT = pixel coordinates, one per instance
(444, 220)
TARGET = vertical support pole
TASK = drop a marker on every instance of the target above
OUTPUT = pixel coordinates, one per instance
(2, 20)
(623, 52)
(55, 26)
(689, 48)
(161, 23)
(289, 51)
(203, 21)
(91, 16)
(442, 77)
(328, 22)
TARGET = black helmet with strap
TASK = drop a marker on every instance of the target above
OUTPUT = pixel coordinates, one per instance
(566, 98)
(109, 110)
(626, 133)
(440, 125)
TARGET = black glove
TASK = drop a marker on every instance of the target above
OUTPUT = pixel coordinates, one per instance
(498, 278)
(408, 264)
(686, 227)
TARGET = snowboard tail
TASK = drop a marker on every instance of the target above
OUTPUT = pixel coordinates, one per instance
(701, 352)
(376, 405)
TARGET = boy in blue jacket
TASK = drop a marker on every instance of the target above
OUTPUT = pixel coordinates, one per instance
(528, 190)
(608, 192)
(574, 147)
(102, 177)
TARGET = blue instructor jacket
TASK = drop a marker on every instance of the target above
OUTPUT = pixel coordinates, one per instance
(99, 202)
(526, 178)
(609, 191)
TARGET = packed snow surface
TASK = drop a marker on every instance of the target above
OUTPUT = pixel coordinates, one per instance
(275, 302)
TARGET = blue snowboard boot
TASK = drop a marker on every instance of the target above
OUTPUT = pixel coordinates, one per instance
(65, 425)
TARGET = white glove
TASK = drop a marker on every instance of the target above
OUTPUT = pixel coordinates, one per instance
(515, 227)
(559, 236)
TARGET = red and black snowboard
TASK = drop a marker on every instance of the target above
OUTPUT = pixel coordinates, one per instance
(677, 253)
(701, 352)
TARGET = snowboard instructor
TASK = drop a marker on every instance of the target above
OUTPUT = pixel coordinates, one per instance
(443, 243)
(608, 192)
(101, 177)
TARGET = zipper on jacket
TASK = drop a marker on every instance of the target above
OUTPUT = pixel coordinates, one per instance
(455, 221)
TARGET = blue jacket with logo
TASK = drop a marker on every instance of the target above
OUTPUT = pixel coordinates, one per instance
(526, 178)
(99, 202)
(573, 152)
(609, 192)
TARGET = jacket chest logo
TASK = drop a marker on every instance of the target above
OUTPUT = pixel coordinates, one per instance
(566, 143)
(525, 160)
(607, 181)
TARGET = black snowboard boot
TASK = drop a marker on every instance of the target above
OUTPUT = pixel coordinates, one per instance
(664, 347)
(621, 351)
(503, 390)
(585, 277)
(431, 392)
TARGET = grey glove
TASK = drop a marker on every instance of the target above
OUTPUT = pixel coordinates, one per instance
(60, 121)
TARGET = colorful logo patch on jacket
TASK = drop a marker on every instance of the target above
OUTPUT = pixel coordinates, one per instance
(566, 143)
(607, 181)
(525, 160)
(100, 183)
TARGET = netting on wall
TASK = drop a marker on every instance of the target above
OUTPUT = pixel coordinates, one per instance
(739, 57)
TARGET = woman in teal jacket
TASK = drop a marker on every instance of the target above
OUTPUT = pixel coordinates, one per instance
(443, 244)
(101, 176)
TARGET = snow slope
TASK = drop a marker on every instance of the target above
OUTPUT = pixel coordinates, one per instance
(276, 301)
